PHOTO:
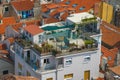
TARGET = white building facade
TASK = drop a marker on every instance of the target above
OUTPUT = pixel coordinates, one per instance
(75, 64)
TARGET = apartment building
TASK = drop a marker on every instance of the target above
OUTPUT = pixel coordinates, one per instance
(69, 50)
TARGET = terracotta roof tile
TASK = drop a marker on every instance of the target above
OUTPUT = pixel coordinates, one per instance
(109, 31)
(25, 78)
(6, 21)
(14, 77)
(52, 6)
(109, 53)
(17, 26)
(26, 5)
(50, 20)
(71, 9)
(64, 16)
(5, 52)
(2, 46)
(80, 3)
(33, 29)
(57, 11)
(115, 70)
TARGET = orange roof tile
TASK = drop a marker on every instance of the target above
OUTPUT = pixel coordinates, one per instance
(80, 3)
(26, 5)
(9, 20)
(109, 31)
(14, 77)
(51, 6)
(115, 70)
(50, 20)
(6, 21)
(109, 53)
(71, 9)
(4, 52)
(33, 29)
(25, 78)
(2, 46)
(64, 16)
(57, 11)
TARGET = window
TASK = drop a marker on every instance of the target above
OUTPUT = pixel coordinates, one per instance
(81, 8)
(5, 72)
(87, 58)
(6, 9)
(49, 79)
(19, 73)
(68, 77)
(19, 66)
(40, 38)
(74, 5)
(29, 35)
(46, 61)
(26, 32)
(28, 73)
(68, 61)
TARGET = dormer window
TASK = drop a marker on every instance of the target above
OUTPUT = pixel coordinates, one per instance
(74, 5)
(68, 2)
(81, 8)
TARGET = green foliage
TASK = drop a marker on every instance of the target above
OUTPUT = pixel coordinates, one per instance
(24, 42)
(88, 42)
(55, 52)
(37, 48)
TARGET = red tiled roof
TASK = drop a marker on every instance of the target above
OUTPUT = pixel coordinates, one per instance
(2, 46)
(14, 77)
(25, 78)
(110, 34)
(59, 10)
(51, 20)
(51, 6)
(109, 53)
(33, 29)
(4, 52)
(115, 70)
(80, 3)
(5, 22)
(71, 9)
(17, 26)
(64, 16)
(23, 5)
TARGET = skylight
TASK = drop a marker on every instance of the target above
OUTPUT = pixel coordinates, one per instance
(81, 8)
(74, 5)
(68, 2)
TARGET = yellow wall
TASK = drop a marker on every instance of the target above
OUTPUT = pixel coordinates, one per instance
(106, 12)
